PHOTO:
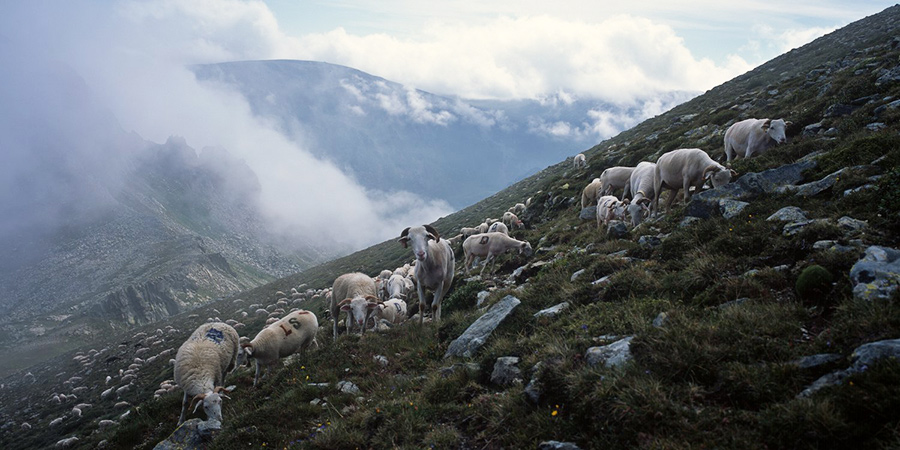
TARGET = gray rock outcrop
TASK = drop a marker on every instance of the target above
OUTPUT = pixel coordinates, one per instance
(789, 214)
(877, 274)
(194, 434)
(506, 371)
(861, 358)
(475, 336)
(613, 355)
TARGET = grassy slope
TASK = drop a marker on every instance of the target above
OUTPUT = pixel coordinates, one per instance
(711, 377)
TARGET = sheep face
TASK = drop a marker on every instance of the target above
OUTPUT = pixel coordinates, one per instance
(212, 406)
(638, 211)
(775, 130)
(359, 308)
(525, 249)
(720, 176)
(418, 237)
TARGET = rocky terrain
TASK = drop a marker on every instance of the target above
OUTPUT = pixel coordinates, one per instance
(761, 315)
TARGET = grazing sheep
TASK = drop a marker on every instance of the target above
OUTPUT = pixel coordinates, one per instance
(468, 231)
(518, 208)
(580, 161)
(590, 193)
(201, 364)
(610, 208)
(434, 265)
(490, 245)
(56, 421)
(292, 333)
(511, 220)
(499, 227)
(753, 137)
(347, 287)
(482, 228)
(67, 442)
(614, 178)
(641, 188)
(686, 167)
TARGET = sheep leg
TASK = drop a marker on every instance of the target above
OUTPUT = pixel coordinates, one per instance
(436, 303)
(489, 259)
(256, 378)
(422, 299)
(184, 407)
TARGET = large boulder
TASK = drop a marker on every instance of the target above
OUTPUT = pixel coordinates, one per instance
(194, 434)
(877, 274)
(864, 356)
(474, 337)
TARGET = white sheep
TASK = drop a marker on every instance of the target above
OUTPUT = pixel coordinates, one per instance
(67, 442)
(468, 231)
(753, 137)
(434, 265)
(393, 310)
(579, 161)
(610, 208)
(640, 189)
(396, 287)
(201, 364)
(614, 178)
(511, 220)
(518, 208)
(686, 167)
(489, 245)
(292, 333)
(499, 227)
(591, 193)
(347, 287)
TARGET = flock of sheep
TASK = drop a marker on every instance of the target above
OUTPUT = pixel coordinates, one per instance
(684, 168)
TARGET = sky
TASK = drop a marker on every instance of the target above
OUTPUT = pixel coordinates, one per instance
(133, 54)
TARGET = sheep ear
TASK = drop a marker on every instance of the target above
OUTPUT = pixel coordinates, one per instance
(199, 399)
(733, 173)
(788, 123)
(430, 229)
(767, 124)
(345, 307)
(710, 170)
(404, 237)
(372, 298)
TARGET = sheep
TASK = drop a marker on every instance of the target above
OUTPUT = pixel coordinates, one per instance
(201, 364)
(518, 208)
(590, 193)
(56, 421)
(641, 189)
(511, 220)
(499, 227)
(610, 208)
(579, 161)
(482, 228)
(67, 442)
(347, 287)
(292, 333)
(686, 167)
(468, 231)
(396, 287)
(753, 137)
(614, 178)
(393, 310)
(490, 245)
(434, 265)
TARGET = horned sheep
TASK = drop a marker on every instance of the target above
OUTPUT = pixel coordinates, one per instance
(434, 265)
(751, 137)
(610, 208)
(201, 364)
(490, 245)
(347, 289)
(686, 167)
(289, 335)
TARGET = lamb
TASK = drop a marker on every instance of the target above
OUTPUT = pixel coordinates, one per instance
(393, 310)
(686, 167)
(346, 288)
(201, 364)
(294, 332)
(580, 161)
(753, 137)
(434, 265)
(610, 208)
(499, 227)
(590, 193)
(490, 245)
(641, 184)
(614, 178)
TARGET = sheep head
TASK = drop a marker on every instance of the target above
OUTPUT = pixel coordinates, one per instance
(718, 175)
(212, 403)
(419, 237)
(359, 308)
(525, 248)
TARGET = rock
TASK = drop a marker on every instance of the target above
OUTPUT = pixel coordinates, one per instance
(616, 229)
(552, 311)
(877, 274)
(348, 387)
(474, 337)
(812, 129)
(660, 320)
(811, 362)
(381, 359)
(788, 214)
(649, 241)
(832, 245)
(506, 371)
(534, 390)
(731, 208)
(612, 355)
(557, 445)
(192, 434)
(838, 110)
(749, 186)
(876, 126)
(862, 188)
(602, 280)
(793, 228)
(817, 187)
(851, 225)
(589, 213)
(577, 274)
(735, 302)
(861, 358)
(482, 296)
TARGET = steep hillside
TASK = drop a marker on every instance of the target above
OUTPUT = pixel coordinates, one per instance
(387, 135)
(720, 314)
